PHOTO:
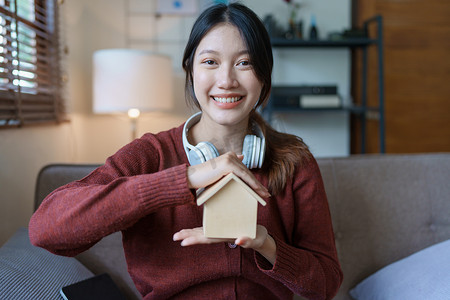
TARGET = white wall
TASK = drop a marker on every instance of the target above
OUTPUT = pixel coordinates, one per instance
(98, 24)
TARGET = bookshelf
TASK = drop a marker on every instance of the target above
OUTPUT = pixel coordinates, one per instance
(362, 110)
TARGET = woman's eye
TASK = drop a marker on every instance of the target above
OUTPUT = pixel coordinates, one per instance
(244, 63)
(209, 62)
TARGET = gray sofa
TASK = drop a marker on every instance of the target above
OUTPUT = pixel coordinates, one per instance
(384, 209)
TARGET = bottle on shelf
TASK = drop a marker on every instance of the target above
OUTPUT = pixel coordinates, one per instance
(313, 35)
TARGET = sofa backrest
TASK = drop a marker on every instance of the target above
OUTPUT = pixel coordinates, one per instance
(53, 176)
(384, 208)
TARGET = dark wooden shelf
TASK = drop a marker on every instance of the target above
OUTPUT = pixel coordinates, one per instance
(345, 43)
(356, 109)
(306, 110)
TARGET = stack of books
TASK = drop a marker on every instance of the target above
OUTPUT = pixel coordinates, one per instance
(306, 97)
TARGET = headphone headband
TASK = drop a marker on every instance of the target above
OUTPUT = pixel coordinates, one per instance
(253, 149)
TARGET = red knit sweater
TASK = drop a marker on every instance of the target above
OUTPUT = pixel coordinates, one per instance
(142, 190)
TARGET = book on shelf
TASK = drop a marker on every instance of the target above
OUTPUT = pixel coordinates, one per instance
(306, 96)
(304, 90)
(308, 101)
(320, 101)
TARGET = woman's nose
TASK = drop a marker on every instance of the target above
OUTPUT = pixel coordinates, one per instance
(226, 78)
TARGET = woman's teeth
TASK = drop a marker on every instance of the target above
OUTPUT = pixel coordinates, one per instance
(227, 100)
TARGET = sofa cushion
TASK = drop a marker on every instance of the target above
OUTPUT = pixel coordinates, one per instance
(423, 275)
(29, 272)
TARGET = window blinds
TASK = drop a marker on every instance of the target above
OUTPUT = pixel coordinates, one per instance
(30, 80)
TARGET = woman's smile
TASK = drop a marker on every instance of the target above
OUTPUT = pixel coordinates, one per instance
(227, 99)
(227, 102)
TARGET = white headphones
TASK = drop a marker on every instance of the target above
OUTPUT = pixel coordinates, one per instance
(253, 148)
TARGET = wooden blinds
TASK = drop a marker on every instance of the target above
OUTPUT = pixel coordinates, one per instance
(30, 81)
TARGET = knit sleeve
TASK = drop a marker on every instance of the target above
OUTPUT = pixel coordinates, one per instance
(129, 186)
(307, 265)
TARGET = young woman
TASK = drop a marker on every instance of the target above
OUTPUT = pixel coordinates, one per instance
(147, 189)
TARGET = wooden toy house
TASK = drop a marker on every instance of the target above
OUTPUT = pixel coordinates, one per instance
(230, 209)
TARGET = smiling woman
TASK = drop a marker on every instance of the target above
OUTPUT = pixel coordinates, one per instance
(30, 81)
(148, 189)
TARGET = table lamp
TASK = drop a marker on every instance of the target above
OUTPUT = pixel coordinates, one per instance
(131, 81)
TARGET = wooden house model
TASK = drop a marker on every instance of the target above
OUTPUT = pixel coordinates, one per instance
(230, 209)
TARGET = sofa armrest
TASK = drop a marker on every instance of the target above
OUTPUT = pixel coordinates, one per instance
(107, 256)
(29, 272)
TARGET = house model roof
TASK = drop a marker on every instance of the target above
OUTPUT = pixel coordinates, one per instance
(209, 192)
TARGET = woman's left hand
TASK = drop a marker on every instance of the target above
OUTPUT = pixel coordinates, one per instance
(263, 242)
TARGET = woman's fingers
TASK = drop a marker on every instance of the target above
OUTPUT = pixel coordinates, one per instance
(244, 173)
(257, 242)
(195, 236)
(211, 171)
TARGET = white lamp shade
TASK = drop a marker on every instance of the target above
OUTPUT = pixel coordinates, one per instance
(128, 78)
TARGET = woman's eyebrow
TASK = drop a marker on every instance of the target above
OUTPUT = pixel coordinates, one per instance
(210, 51)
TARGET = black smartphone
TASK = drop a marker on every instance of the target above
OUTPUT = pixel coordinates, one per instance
(95, 288)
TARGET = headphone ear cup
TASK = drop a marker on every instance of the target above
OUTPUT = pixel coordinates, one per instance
(201, 153)
(262, 152)
(208, 150)
(247, 150)
(256, 153)
(196, 156)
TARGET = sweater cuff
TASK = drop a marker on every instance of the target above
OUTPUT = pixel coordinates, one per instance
(284, 266)
(166, 188)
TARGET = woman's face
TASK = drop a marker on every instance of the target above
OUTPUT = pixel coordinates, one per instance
(225, 83)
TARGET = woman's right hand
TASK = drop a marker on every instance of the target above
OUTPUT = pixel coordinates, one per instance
(207, 173)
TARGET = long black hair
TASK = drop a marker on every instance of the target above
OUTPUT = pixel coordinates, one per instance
(252, 31)
(284, 152)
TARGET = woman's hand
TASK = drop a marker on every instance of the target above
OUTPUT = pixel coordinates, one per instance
(263, 242)
(204, 174)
